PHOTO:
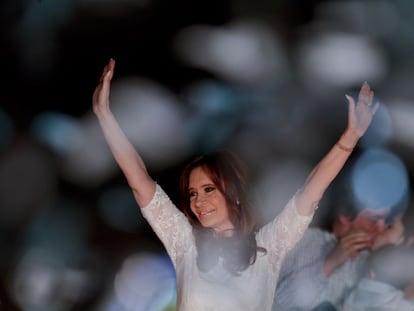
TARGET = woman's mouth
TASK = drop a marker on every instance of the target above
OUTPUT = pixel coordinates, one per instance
(205, 213)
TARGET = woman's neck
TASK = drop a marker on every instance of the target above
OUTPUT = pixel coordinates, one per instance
(224, 233)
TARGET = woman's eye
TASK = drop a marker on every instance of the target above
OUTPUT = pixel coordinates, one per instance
(209, 189)
(192, 194)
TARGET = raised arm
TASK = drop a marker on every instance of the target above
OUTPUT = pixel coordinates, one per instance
(125, 155)
(359, 118)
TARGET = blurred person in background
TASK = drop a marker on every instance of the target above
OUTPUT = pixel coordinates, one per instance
(388, 282)
(220, 257)
(324, 266)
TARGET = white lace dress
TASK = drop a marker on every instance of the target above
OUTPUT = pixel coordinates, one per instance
(217, 289)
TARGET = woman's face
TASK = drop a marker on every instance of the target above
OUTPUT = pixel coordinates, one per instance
(207, 202)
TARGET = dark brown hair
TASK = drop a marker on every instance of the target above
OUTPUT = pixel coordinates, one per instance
(229, 175)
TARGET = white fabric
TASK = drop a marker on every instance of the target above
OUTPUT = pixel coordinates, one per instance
(218, 290)
(371, 295)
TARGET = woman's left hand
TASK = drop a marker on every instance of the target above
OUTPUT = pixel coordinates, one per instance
(360, 114)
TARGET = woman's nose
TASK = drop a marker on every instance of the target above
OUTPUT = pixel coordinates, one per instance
(200, 200)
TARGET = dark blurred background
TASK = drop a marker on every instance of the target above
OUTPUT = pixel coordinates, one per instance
(266, 79)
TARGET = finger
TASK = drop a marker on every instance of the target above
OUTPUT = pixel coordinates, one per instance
(106, 84)
(375, 108)
(371, 96)
(358, 244)
(110, 69)
(358, 247)
(364, 93)
(109, 75)
(351, 104)
(104, 71)
(358, 235)
(111, 64)
(358, 240)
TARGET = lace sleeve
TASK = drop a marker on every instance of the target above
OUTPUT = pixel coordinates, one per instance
(280, 235)
(169, 223)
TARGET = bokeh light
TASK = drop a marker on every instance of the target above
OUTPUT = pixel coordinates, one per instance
(145, 282)
(242, 52)
(276, 185)
(361, 17)
(379, 180)
(339, 60)
(380, 131)
(403, 114)
(216, 114)
(57, 131)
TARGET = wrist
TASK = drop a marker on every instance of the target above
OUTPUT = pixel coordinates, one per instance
(101, 112)
(351, 135)
(348, 141)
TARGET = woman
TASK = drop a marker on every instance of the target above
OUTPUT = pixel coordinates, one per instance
(221, 262)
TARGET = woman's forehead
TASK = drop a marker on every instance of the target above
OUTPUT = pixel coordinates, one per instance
(199, 175)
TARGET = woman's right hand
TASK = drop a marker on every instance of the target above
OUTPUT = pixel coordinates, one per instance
(100, 99)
